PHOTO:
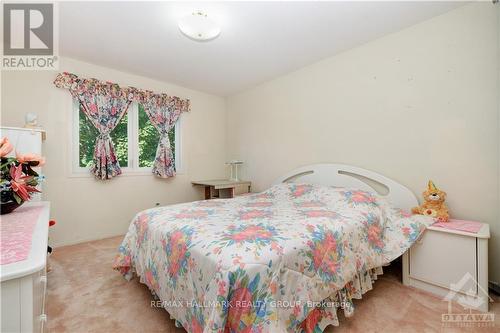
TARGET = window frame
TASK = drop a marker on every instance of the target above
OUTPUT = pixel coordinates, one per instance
(133, 168)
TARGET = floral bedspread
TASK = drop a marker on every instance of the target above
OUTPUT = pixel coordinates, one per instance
(283, 260)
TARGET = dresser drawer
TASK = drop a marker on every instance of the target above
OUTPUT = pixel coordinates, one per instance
(443, 258)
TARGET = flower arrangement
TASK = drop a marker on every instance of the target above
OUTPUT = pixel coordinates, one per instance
(18, 179)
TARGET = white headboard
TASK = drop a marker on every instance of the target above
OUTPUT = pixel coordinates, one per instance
(353, 177)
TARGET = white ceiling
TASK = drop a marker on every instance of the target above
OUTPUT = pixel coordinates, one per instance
(259, 40)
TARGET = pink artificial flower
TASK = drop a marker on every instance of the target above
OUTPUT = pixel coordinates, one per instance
(5, 147)
(33, 159)
(18, 183)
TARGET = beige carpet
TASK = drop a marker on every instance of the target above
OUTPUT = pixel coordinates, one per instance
(86, 295)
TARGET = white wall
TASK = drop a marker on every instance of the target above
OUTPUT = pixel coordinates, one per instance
(415, 105)
(88, 209)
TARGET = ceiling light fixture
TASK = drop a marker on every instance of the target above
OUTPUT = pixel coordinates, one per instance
(199, 27)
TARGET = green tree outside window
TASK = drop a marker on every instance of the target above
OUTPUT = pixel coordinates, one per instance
(147, 141)
(149, 138)
(88, 135)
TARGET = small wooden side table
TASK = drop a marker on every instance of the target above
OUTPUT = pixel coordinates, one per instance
(222, 188)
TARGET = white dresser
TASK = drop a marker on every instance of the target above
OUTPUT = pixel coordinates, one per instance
(24, 140)
(24, 283)
(450, 264)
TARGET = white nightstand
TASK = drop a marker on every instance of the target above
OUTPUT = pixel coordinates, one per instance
(446, 260)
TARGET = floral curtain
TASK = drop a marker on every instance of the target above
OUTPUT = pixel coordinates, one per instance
(163, 111)
(105, 103)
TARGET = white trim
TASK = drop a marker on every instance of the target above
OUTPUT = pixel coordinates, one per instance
(132, 133)
(76, 169)
(30, 129)
(27, 129)
(57, 245)
(484, 232)
(133, 169)
(179, 165)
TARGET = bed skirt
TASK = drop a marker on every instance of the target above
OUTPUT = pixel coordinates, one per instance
(323, 316)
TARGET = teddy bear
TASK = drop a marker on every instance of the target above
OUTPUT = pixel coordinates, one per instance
(433, 205)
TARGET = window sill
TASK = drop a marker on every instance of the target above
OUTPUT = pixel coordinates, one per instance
(124, 174)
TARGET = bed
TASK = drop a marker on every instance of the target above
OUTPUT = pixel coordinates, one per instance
(283, 260)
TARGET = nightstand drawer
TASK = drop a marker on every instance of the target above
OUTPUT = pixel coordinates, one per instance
(443, 258)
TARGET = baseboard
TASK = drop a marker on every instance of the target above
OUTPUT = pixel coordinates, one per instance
(82, 240)
(494, 286)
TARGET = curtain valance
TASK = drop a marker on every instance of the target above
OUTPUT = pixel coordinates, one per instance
(77, 84)
(105, 103)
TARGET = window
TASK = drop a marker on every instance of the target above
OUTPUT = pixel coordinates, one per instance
(135, 140)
